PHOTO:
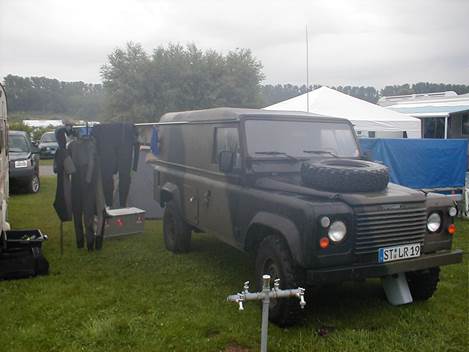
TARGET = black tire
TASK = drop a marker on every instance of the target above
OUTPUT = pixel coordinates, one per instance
(274, 258)
(177, 234)
(423, 283)
(34, 184)
(345, 175)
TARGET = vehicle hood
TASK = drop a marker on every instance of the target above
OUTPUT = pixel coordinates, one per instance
(12, 156)
(48, 144)
(392, 194)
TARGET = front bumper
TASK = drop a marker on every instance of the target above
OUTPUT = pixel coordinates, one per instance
(44, 154)
(359, 272)
(21, 172)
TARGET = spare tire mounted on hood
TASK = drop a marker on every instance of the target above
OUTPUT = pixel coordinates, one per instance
(345, 175)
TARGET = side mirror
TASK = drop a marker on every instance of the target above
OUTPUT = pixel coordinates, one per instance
(226, 161)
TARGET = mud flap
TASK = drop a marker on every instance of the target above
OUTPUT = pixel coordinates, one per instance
(397, 289)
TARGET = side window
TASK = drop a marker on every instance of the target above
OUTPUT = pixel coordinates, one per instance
(226, 139)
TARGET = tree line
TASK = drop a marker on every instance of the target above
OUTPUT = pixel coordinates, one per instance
(45, 95)
(141, 86)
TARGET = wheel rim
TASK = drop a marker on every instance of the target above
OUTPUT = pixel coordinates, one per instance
(35, 184)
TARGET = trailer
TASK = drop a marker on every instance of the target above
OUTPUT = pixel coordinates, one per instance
(20, 250)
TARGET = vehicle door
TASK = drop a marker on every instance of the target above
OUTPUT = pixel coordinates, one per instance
(219, 196)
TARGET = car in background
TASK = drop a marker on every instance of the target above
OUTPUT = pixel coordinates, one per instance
(48, 145)
(24, 161)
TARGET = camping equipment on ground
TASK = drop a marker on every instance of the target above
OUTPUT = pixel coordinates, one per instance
(123, 221)
(92, 159)
(21, 254)
(265, 296)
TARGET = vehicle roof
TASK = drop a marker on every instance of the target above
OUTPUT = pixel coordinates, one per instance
(13, 133)
(235, 114)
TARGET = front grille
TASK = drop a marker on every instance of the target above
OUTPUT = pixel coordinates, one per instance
(387, 228)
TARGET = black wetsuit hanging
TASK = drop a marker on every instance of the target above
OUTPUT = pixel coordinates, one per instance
(83, 154)
(63, 167)
(117, 147)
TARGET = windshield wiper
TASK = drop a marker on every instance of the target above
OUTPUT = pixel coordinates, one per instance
(273, 152)
(319, 151)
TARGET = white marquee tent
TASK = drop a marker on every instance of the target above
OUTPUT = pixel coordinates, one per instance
(368, 119)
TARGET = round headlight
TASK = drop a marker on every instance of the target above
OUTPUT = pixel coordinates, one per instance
(337, 231)
(452, 211)
(325, 221)
(434, 222)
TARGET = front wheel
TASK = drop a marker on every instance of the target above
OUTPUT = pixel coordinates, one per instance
(176, 233)
(423, 283)
(34, 184)
(274, 259)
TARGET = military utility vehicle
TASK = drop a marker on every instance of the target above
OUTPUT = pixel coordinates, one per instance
(290, 187)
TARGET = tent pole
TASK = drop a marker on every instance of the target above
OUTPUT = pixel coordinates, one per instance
(446, 127)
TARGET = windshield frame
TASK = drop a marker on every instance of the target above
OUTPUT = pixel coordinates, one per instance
(287, 118)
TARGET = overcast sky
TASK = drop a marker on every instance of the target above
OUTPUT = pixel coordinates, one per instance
(352, 42)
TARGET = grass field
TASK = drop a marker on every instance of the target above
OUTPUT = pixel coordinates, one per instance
(136, 296)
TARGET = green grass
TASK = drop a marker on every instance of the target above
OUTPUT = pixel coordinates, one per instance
(136, 296)
(48, 162)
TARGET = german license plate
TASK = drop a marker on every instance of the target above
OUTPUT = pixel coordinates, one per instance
(390, 254)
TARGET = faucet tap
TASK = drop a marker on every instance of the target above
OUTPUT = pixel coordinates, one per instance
(246, 287)
(301, 296)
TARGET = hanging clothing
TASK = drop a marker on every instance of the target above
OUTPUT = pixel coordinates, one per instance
(63, 167)
(83, 154)
(118, 150)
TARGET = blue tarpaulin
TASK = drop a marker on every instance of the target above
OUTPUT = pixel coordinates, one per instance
(420, 163)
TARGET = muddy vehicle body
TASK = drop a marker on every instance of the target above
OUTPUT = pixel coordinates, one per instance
(290, 188)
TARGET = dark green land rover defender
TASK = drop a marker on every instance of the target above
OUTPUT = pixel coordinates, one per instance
(290, 187)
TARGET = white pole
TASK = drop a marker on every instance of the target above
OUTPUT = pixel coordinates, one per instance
(307, 70)
(446, 127)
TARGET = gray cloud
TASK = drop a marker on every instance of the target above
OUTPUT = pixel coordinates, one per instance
(351, 42)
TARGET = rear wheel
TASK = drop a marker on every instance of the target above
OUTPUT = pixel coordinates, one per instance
(177, 234)
(273, 258)
(34, 184)
(423, 283)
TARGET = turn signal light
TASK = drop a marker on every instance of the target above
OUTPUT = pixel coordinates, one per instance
(324, 242)
(452, 229)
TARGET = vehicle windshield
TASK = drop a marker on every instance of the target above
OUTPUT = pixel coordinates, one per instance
(48, 138)
(299, 139)
(18, 144)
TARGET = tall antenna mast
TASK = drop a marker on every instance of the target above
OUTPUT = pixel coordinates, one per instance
(307, 70)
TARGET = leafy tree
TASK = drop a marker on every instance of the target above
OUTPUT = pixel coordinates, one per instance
(142, 87)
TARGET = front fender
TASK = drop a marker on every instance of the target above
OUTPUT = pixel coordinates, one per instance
(287, 229)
